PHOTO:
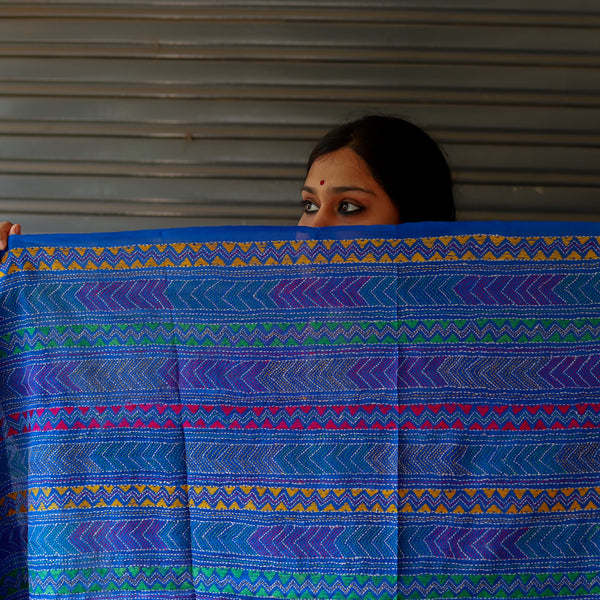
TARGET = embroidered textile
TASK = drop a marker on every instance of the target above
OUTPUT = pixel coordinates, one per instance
(380, 413)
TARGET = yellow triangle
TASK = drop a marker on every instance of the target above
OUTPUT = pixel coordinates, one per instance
(303, 260)
(250, 506)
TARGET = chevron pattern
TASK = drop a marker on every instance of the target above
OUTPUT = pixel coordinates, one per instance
(409, 417)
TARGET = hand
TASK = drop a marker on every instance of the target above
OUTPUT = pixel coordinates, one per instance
(6, 229)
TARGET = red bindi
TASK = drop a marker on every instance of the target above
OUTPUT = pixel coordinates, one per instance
(322, 181)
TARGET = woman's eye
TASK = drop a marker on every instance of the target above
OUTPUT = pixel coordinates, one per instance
(310, 207)
(348, 207)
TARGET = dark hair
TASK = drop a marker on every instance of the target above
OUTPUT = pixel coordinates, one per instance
(403, 159)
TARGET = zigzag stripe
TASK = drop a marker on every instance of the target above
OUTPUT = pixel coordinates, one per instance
(303, 542)
(292, 252)
(305, 292)
(292, 585)
(134, 372)
(264, 335)
(203, 497)
(209, 294)
(89, 537)
(247, 583)
(481, 543)
(280, 540)
(518, 417)
(344, 457)
(126, 373)
(195, 416)
(536, 458)
(533, 458)
(512, 372)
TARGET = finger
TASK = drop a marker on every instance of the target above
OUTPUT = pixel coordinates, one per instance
(4, 228)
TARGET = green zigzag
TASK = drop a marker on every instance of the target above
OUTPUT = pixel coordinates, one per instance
(207, 573)
(311, 340)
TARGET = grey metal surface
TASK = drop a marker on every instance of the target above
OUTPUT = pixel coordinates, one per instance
(135, 114)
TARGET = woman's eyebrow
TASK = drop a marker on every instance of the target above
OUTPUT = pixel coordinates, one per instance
(310, 190)
(351, 188)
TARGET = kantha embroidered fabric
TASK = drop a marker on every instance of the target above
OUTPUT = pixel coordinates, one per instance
(235, 413)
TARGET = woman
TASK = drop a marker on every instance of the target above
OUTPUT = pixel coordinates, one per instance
(378, 170)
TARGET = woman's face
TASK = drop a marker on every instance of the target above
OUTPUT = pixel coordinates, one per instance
(340, 190)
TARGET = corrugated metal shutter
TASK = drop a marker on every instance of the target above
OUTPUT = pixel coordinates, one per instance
(131, 114)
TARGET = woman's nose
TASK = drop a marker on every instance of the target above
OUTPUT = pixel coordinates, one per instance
(323, 218)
